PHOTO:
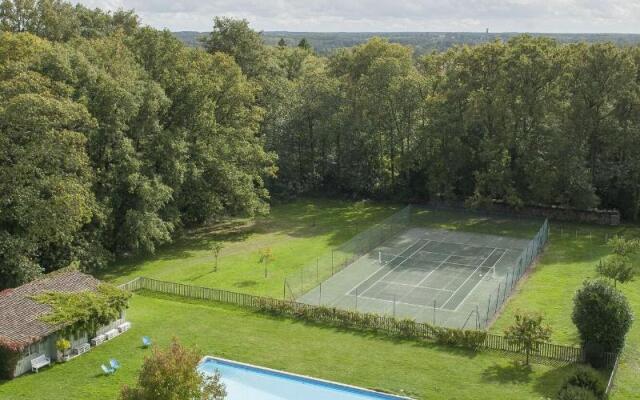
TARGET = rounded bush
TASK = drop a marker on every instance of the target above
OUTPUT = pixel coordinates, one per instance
(602, 315)
(575, 393)
(589, 379)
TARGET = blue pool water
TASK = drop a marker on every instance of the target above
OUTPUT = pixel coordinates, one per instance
(247, 382)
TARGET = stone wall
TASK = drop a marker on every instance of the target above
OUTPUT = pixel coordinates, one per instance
(556, 213)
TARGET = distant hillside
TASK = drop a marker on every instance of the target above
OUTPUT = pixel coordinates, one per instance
(423, 42)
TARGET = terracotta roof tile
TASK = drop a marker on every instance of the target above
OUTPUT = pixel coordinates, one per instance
(19, 314)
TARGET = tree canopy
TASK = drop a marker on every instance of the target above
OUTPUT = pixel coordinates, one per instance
(114, 137)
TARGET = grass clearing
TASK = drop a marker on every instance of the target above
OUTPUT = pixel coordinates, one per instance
(567, 262)
(425, 371)
(302, 230)
(297, 233)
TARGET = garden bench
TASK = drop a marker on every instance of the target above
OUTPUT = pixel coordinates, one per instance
(40, 362)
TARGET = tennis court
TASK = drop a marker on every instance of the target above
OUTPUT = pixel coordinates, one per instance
(431, 275)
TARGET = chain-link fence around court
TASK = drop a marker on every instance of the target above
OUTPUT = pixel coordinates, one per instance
(448, 278)
(484, 313)
(330, 263)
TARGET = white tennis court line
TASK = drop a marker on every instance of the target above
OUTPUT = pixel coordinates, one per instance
(425, 278)
(476, 285)
(402, 302)
(425, 235)
(376, 271)
(442, 254)
(458, 275)
(470, 276)
(370, 275)
(392, 269)
(412, 286)
(479, 247)
(432, 271)
(445, 261)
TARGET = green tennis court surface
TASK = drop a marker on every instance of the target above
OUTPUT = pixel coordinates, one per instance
(448, 278)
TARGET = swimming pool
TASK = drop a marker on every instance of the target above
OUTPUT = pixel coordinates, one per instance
(248, 382)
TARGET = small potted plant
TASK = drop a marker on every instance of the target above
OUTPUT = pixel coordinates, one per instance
(63, 346)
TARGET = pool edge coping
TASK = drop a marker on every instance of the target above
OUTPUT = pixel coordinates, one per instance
(305, 377)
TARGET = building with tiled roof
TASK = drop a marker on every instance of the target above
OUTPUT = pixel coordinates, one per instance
(21, 324)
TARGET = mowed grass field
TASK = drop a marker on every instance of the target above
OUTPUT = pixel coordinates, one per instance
(567, 262)
(299, 232)
(296, 233)
(423, 371)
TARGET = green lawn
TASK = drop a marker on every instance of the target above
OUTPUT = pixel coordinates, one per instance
(567, 261)
(297, 233)
(423, 371)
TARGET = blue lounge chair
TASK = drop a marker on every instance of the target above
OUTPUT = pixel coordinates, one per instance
(107, 370)
(114, 363)
(146, 341)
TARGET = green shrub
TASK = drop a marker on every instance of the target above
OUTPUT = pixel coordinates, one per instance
(407, 328)
(459, 337)
(173, 374)
(602, 315)
(588, 379)
(575, 393)
(63, 345)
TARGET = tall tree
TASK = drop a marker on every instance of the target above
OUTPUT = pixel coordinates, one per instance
(236, 38)
(45, 173)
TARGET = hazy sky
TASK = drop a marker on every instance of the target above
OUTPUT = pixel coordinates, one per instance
(620, 16)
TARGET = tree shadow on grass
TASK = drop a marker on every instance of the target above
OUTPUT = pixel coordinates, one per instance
(245, 284)
(514, 372)
(550, 382)
(183, 246)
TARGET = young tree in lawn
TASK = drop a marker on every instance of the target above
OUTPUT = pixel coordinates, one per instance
(215, 248)
(266, 256)
(602, 315)
(619, 266)
(623, 247)
(172, 374)
(528, 331)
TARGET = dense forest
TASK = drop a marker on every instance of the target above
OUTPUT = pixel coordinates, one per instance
(115, 136)
(325, 43)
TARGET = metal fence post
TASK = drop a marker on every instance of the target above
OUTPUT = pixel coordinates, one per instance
(332, 262)
(394, 306)
(497, 297)
(356, 299)
(488, 307)
(434, 312)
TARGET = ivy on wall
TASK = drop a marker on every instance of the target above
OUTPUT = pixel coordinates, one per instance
(84, 311)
